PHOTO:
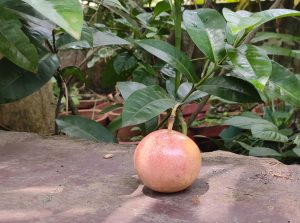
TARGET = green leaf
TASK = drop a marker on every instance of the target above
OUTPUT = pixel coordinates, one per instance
(66, 14)
(297, 151)
(171, 56)
(80, 127)
(145, 104)
(124, 62)
(16, 83)
(287, 83)
(281, 51)
(268, 132)
(244, 122)
(185, 88)
(260, 151)
(128, 87)
(231, 88)
(73, 71)
(288, 38)
(160, 7)
(106, 39)
(251, 21)
(14, 44)
(115, 4)
(110, 108)
(252, 64)
(144, 74)
(206, 27)
(68, 42)
(115, 124)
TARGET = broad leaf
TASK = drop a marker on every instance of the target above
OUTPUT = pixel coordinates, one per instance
(160, 7)
(251, 21)
(106, 39)
(252, 64)
(80, 127)
(185, 88)
(244, 122)
(287, 83)
(281, 51)
(297, 151)
(66, 14)
(231, 88)
(16, 83)
(268, 132)
(14, 44)
(206, 27)
(288, 38)
(260, 151)
(128, 87)
(68, 42)
(145, 104)
(124, 62)
(171, 56)
(144, 74)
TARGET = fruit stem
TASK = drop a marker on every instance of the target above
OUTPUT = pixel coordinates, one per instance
(172, 116)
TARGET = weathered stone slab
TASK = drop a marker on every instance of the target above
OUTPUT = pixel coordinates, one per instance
(60, 180)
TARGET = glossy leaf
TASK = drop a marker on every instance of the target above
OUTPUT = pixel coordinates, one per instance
(206, 27)
(66, 14)
(145, 104)
(231, 88)
(287, 83)
(128, 87)
(16, 83)
(185, 88)
(14, 44)
(171, 56)
(252, 64)
(160, 7)
(81, 127)
(268, 132)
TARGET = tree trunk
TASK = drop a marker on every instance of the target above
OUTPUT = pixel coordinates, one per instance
(35, 113)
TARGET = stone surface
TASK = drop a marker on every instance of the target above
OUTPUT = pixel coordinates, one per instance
(60, 180)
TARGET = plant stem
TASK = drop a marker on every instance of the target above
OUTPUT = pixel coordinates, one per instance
(184, 126)
(172, 117)
(177, 15)
(198, 110)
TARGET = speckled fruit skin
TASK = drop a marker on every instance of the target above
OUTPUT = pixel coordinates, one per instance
(167, 161)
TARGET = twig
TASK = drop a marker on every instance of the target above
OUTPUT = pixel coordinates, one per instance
(198, 110)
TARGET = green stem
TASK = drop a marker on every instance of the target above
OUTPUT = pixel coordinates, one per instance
(177, 15)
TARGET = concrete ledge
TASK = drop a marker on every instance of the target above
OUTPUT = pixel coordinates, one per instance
(61, 180)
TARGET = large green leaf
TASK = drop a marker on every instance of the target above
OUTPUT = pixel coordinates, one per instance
(251, 21)
(252, 64)
(80, 127)
(297, 151)
(67, 14)
(14, 44)
(260, 151)
(16, 83)
(268, 132)
(128, 87)
(206, 27)
(288, 38)
(232, 89)
(244, 122)
(171, 56)
(287, 83)
(281, 51)
(124, 62)
(145, 104)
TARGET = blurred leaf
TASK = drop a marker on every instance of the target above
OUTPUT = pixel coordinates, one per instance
(231, 88)
(206, 28)
(14, 44)
(66, 14)
(160, 7)
(170, 55)
(115, 124)
(281, 51)
(124, 62)
(185, 88)
(145, 104)
(268, 132)
(244, 122)
(260, 151)
(297, 151)
(16, 83)
(144, 74)
(110, 108)
(261, 36)
(287, 83)
(81, 127)
(73, 71)
(128, 87)
(252, 64)
(106, 39)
